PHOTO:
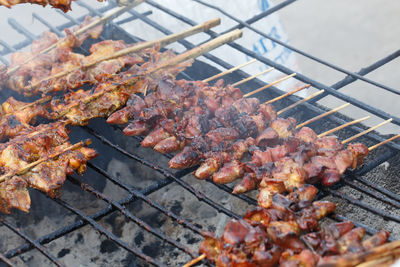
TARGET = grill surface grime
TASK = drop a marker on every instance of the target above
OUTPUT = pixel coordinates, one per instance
(135, 211)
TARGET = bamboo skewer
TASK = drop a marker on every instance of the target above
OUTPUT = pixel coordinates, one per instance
(216, 76)
(33, 164)
(37, 102)
(163, 42)
(366, 131)
(322, 115)
(269, 85)
(287, 94)
(253, 76)
(343, 126)
(193, 53)
(194, 261)
(383, 142)
(78, 32)
(386, 250)
(300, 102)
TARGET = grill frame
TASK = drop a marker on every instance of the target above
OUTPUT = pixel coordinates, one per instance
(353, 179)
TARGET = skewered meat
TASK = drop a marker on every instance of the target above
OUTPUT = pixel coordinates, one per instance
(14, 194)
(81, 106)
(48, 176)
(64, 5)
(16, 116)
(285, 235)
(35, 66)
(267, 236)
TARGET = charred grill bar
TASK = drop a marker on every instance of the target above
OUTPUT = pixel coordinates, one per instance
(114, 31)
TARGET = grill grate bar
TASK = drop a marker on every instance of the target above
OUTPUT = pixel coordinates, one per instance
(364, 71)
(200, 196)
(80, 223)
(141, 196)
(21, 29)
(354, 75)
(360, 204)
(134, 17)
(378, 159)
(34, 243)
(130, 216)
(371, 193)
(7, 46)
(377, 188)
(262, 15)
(5, 260)
(28, 41)
(5, 61)
(109, 235)
(48, 25)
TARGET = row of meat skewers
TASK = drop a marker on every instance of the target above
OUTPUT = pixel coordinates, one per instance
(212, 125)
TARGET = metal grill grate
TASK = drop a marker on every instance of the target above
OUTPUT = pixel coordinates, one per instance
(349, 190)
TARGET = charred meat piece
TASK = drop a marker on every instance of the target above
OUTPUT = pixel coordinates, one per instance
(359, 151)
(35, 67)
(14, 194)
(306, 135)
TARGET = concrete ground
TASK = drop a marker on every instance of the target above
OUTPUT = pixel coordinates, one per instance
(352, 35)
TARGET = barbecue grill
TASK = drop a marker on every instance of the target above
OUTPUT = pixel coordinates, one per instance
(130, 209)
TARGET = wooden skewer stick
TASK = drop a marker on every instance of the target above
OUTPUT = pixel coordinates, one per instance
(300, 102)
(269, 85)
(384, 261)
(343, 126)
(37, 102)
(194, 261)
(193, 53)
(366, 131)
(78, 32)
(383, 142)
(287, 94)
(252, 77)
(163, 42)
(352, 259)
(322, 115)
(200, 50)
(216, 76)
(33, 164)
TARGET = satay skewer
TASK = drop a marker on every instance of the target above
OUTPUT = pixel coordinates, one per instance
(383, 142)
(300, 102)
(287, 94)
(269, 85)
(322, 115)
(196, 260)
(33, 164)
(216, 76)
(78, 32)
(193, 53)
(343, 126)
(352, 259)
(252, 77)
(366, 131)
(163, 42)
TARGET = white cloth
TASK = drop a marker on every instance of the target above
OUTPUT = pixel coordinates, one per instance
(243, 10)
